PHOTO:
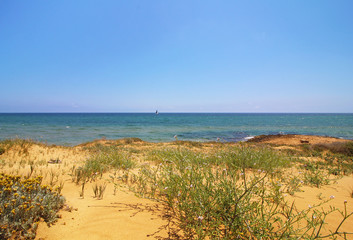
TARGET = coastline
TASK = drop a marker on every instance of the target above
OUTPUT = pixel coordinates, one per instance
(284, 139)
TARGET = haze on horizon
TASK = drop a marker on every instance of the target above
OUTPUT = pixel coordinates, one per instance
(176, 56)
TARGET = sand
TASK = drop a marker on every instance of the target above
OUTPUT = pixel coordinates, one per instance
(126, 216)
(293, 139)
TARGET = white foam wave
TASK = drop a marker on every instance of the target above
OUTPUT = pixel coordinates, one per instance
(248, 138)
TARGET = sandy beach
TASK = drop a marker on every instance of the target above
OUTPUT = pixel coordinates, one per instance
(121, 214)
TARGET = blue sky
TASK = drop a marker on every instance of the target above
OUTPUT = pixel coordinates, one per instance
(176, 56)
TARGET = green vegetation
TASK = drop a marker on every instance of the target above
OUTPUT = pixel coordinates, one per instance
(337, 147)
(233, 157)
(2, 150)
(104, 159)
(333, 159)
(23, 203)
(214, 191)
(235, 193)
(21, 144)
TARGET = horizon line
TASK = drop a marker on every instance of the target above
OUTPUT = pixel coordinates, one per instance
(153, 112)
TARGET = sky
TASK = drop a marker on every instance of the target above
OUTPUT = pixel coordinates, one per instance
(176, 56)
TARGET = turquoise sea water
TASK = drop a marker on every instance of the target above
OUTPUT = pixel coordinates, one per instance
(75, 128)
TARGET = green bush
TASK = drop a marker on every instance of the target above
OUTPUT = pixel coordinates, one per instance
(24, 202)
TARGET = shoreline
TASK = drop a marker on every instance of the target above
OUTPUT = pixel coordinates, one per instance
(264, 138)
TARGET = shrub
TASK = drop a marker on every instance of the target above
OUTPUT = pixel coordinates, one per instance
(23, 203)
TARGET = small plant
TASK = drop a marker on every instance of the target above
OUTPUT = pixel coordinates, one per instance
(82, 191)
(316, 178)
(53, 177)
(60, 187)
(293, 185)
(98, 190)
(2, 150)
(113, 179)
(244, 156)
(32, 168)
(116, 179)
(97, 164)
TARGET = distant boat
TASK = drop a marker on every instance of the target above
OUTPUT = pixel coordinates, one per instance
(156, 111)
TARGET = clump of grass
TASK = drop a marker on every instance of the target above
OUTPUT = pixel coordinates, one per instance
(23, 203)
(53, 177)
(165, 155)
(345, 148)
(22, 145)
(235, 157)
(98, 146)
(316, 178)
(254, 158)
(98, 190)
(110, 158)
(99, 163)
(293, 184)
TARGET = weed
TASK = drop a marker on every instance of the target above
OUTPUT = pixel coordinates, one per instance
(115, 179)
(254, 158)
(345, 148)
(2, 150)
(293, 185)
(316, 178)
(101, 162)
(32, 168)
(60, 187)
(98, 190)
(53, 177)
(82, 191)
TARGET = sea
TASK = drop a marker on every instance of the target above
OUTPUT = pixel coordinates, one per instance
(70, 129)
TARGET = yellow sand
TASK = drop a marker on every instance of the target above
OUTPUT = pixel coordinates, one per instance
(126, 216)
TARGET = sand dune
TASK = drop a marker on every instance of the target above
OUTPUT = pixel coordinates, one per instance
(126, 216)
